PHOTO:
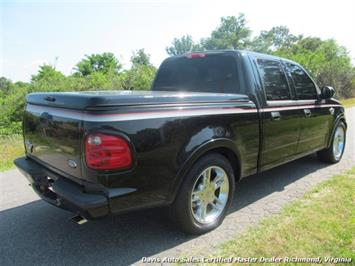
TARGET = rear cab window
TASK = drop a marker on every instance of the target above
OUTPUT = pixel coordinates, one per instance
(273, 79)
(203, 73)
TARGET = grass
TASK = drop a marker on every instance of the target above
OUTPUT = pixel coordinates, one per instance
(11, 147)
(321, 224)
(348, 102)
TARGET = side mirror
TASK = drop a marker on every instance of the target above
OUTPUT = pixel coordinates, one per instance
(327, 92)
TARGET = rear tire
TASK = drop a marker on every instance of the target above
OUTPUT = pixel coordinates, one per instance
(335, 152)
(204, 196)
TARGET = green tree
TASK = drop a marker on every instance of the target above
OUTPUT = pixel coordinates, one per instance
(182, 45)
(232, 33)
(5, 85)
(47, 73)
(105, 63)
(11, 108)
(138, 78)
(48, 79)
(140, 58)
(327, 61)
(141, 74)
(275, 39)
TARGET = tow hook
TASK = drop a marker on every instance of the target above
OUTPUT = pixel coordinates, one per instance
(79, 219)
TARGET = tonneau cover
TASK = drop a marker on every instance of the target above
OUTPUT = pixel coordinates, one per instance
(99, 99)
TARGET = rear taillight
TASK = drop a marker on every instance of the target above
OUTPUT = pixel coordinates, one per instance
(107, 152)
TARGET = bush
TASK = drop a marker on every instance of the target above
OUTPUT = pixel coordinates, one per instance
(104, 77)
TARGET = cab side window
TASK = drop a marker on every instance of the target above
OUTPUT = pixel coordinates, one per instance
(274, 80)
(304, 86)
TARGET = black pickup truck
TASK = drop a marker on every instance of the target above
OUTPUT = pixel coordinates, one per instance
(210, 119)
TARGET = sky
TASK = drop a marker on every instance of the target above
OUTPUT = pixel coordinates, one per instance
(61, 33)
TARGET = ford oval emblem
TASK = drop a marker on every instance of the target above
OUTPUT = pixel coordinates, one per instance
(72, 163)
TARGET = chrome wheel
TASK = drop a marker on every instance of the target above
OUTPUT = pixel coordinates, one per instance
(209, 195)
(338, 142)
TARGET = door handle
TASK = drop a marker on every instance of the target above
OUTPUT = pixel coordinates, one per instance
(275, 115)
(307, 112)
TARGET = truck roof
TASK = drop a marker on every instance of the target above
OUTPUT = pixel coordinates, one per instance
(235, 51)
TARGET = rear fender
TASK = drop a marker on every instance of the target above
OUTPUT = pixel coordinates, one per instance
(204, 148)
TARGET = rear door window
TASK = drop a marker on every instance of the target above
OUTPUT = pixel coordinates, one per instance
(274, 80)
(304, 86)
(209, 73)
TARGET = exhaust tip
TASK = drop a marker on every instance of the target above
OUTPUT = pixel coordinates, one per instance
(79, 219)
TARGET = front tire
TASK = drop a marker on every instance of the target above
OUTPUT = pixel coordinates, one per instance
(204, 196)
(334, 153)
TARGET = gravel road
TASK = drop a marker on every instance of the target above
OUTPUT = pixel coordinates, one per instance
(33, 232)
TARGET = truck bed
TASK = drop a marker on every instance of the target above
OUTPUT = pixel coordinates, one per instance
(94, 100)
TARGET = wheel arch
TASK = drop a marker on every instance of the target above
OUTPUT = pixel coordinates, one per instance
(338, 119)
(225, 147)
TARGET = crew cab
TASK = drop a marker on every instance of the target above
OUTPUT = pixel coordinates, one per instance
(210, 119)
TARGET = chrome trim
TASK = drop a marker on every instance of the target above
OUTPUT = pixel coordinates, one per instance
(156, 114)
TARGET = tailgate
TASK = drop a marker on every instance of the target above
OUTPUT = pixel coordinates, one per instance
(53, 137)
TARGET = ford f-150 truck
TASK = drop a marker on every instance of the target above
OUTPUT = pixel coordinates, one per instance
(210, 119)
